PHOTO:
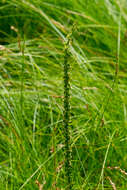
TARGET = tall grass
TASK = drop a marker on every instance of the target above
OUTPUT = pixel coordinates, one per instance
(32, 151)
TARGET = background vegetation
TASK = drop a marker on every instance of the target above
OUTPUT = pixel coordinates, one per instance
(32, 38)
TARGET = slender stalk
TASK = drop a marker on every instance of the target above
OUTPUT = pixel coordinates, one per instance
(22, 77)
(66, 119)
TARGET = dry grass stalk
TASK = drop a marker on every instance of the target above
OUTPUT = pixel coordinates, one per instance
(14, 29)
(118, 168)
(59, 166)
(55, 96)
(89, 88)
(112, 184)
(2, 48)
(40, 186)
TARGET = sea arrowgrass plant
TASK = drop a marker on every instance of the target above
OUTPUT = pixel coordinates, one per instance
(98, 108)
(66, 117)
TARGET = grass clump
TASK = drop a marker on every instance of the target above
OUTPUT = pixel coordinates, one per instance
(31, 94)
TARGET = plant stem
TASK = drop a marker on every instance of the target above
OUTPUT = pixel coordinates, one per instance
(66, 118)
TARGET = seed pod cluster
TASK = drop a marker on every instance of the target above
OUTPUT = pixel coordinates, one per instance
(66, 118)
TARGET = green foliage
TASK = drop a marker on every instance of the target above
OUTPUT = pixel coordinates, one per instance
(32, 54)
